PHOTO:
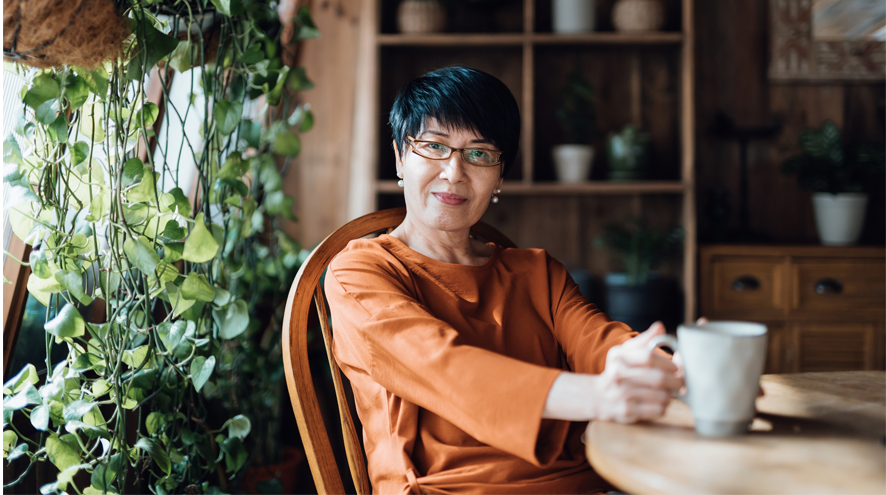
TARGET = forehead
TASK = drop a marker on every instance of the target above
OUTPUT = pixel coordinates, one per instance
(433, 127)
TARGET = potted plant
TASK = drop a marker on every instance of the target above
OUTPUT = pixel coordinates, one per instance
(628, 154)
(131, 406)
(577, 115)
(639, 296)
(838, 176)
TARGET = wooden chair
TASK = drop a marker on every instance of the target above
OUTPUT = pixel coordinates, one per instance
(306, 288)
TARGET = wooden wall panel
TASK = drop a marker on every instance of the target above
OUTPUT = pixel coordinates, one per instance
(731, 61)
(318, 178)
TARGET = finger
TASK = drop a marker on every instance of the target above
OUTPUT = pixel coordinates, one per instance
(701, 321)
(649, 379)
(645, 358)
(644, 338)
(649, 411)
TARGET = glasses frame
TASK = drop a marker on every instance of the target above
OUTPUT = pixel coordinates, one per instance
(496, 154)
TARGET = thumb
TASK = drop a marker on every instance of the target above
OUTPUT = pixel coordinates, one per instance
(644, 338)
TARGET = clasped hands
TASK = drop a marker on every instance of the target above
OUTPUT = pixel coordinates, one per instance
(636, 385)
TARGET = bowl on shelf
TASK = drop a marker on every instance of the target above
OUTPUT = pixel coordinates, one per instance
(635, 16)
(421, 16)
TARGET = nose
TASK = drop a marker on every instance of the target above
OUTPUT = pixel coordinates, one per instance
(454, 168)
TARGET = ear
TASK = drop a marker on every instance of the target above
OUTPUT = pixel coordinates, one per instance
(499, 183)
(398, 159)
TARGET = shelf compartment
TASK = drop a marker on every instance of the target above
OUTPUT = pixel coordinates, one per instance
(584, 188)
(513, 39)
(451, 39)
(604, 38)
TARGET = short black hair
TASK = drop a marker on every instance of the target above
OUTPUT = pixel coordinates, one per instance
(459, 98)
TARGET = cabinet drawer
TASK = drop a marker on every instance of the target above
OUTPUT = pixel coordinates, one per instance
(826, 286)
(742, 284)
(835, 346)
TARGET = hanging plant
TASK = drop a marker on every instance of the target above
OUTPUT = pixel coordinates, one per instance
(168, 215)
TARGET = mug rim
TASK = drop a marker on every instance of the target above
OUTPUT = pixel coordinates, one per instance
(746, 329)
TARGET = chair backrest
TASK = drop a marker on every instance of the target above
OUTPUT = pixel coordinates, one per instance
(306, 290)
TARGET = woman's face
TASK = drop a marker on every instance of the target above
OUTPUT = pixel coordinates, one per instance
(451, 194)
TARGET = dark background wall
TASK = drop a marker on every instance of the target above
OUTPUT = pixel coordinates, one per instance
(732, 55)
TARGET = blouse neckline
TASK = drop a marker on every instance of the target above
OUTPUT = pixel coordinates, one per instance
(402, 249)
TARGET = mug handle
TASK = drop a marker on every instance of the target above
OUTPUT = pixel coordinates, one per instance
(667, 340)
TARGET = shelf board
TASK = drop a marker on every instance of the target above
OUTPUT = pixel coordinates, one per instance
(583, 188)
(451, 39)
(610, 38)
(515, 39)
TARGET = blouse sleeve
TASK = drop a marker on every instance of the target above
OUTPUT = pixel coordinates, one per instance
(585, 333)
(393, 338)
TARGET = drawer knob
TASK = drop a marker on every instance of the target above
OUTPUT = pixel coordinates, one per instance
(745, 283)
(828, 286)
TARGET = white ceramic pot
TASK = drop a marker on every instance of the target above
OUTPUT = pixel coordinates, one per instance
(574, 16)
(839, 217)
(573, 162)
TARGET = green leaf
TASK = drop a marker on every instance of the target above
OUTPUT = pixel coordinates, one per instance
(304, 24)
(68, 323)
(105, 473)
(227, 115)
(145, 191)
(73, 283)
(79, 152)
(173, 199)
(155, 450)
(142, 254)
(172, 334)
(133, 171)
(179, 303)
(307, 122)
(63, 451)
(287, 143)
(96, 81)
(201, 370)
(58, 129)
(235, 167)
(9, 439)
(239, 426)
(222, 297)
(197, 287)
(150, 50)
(200, 245)
(233, 321)
(100, 387)
(188, 436)
(229, 8)
(47, 112)
(40, 418)
(85, 362)
(252, 55)
(43, 88)
(274, 95)
(91, 123)
(154, 422)
(77, 409)
(75, 90)
(298, 79)
(22, 224)
(235, 454)
(91, 490)
(14, 385)
(19, 450)
(39, 262)
(68, 474)
(135, 357)
(41, 289)
(250, 132)
(147, 115)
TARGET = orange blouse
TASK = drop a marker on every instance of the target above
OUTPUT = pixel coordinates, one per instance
(451, 367)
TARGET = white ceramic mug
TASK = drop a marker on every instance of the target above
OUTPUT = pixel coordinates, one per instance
(723, 361)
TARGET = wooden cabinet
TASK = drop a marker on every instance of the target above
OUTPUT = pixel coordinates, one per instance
(644, 79)
(825, 307)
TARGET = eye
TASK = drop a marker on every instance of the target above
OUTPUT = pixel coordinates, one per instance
(436, 146)
(480, 156)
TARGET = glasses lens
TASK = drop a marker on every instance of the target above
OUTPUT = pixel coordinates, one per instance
(480, 157)
(433, 150)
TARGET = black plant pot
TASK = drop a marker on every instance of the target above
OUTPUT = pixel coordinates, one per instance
(639, 306)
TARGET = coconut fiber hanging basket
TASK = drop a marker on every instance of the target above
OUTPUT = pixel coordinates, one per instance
(53, 33)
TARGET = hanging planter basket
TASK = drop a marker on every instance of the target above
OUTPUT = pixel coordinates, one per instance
(53, 33)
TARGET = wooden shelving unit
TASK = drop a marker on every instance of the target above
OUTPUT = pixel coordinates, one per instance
(529, 62)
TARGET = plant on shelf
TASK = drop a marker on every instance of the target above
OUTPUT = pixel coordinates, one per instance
(638, 296)
(168, 218)
(839, 176)
(628, 154)
(577, 115)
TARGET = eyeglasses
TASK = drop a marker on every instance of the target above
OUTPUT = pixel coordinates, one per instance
(439, 151)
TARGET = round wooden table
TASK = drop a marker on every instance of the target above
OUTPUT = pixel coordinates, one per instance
(814, 433)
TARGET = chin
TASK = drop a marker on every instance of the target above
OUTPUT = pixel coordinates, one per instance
(449, 219)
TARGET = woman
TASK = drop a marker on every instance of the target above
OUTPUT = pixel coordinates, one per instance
(474, 367)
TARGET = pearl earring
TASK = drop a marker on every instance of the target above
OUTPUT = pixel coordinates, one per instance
(495, 198)
(400, 182)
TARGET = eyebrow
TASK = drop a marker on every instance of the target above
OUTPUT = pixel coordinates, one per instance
(443, 134)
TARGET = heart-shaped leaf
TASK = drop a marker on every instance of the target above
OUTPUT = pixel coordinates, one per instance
(200, 245)
(201, 370)
(68, 323)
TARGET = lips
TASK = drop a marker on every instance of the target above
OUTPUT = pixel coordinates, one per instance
(450, 199)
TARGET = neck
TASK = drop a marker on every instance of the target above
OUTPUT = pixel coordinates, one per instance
(455, 247)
